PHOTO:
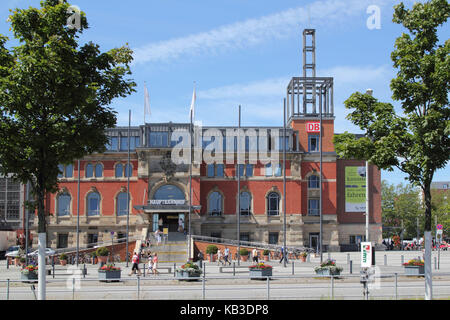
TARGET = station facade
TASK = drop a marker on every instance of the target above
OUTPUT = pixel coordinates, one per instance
(162, 190)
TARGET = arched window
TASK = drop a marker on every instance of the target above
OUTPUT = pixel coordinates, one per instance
(121, 204)
(98, 170)
(245, 203)
(93, 204)
(89, 170)
(273, 204)
(215, 204)
(119, 170)
(313, 182)
(63, 202)
(169, 192)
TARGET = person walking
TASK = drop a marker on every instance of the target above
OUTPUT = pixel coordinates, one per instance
(155, 264)
(219, 257)
(150, 263)
(283, 255)
(255, 255)
(135, 267)
(226, 255)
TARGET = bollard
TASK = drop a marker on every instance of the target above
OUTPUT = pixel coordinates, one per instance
(7, 291)
(351, 266)
(144, 270)
(84, 271)
(332, 287)
(396, 286)
(348, 258)
(385, 260)
(203, 284)
(435, 264)
(268, 288)
(174, 269)
(308, 258)
(73, 288)
(234, 269)
(403, 260)
(138, 287)
(293, 267)
(53, 270)
(7, 263)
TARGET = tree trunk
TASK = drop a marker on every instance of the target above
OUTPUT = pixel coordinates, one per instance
(42, 232)
(428, 246)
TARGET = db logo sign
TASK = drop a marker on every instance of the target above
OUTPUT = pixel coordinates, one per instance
(313, 127)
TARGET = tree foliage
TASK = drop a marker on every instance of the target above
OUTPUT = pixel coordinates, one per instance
(417, 140)
(54, 96)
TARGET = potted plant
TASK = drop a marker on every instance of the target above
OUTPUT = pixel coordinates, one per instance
(211, 250)
(188, 270)
(328, 268)
(102, 254)
(63, 259)
(22, 261)
(303, 256)
(266, 254)
(244, 254)
(260, 271)
(109, 273)
(29, 273)
(414, 267)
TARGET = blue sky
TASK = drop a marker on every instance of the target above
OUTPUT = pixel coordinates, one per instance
(240, 52)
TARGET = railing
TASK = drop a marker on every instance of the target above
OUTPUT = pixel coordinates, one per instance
(258, 245)
(300, 287)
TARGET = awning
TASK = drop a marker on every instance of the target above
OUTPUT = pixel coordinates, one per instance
(154, 208)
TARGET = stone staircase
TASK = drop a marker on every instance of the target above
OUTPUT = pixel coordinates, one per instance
(172, 251)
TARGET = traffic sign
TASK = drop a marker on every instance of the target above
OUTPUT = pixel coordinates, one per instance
(439, 227)
(366, 254)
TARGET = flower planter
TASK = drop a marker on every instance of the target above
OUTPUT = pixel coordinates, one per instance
(29, 277)
(185, 275)
(211, 258)
(266, 258)
(113, 275)
(244, 258)
(63, 262)
(102, 259)
(414, 270)
(328, 272)
(258, 274)
(302, 259)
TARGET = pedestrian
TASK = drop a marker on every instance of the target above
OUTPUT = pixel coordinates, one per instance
(155, 264)
(226, 255)
(150, 263)
(219, 257)
(200, 258)
(255, 255)
(158, 237)
(135, 267)
(283, 255)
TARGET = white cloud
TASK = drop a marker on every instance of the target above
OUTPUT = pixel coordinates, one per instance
(254, 31)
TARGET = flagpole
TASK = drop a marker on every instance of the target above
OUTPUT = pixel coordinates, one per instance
(190, 169)
(284, 183)
(128, 186)
(239, 191)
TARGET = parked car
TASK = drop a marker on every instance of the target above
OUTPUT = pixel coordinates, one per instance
(13, 251)
(48, 252)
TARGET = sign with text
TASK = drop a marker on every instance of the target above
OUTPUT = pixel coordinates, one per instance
(168, 202)
(313, 127)
(366, 254)
(355, 189)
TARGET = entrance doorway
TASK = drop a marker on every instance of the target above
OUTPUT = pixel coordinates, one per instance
(314, 241)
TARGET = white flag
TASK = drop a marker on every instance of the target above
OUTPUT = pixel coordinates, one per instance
(147, 102)
(193, 104)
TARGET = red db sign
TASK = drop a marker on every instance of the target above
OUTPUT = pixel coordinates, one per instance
(313, 127)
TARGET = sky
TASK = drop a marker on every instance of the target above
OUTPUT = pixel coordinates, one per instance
(241, 52)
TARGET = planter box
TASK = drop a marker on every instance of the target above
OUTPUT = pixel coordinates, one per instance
(328, 272)
(109, 275)
(30, 277)
(260, 273)
(182, 275)
(414, 270)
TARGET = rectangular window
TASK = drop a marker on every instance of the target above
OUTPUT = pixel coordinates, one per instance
(159, 139)
(245, 237)
(113, 144)
(313, 207)
(249, 170)
(210, 169)
(269, 171)
(121, 237)
(216, 235)
(281, 143)
(9, 199)
(220, 170)
(92, 240)
(63, 241)
(278, 170)
(241, 170)
(273, 237)
(313, 143)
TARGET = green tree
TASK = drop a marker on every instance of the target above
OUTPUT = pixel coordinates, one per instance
(54, 96)
(440, 206)
(415, 141)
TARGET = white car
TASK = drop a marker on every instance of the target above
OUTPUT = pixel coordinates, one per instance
(48, 252)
